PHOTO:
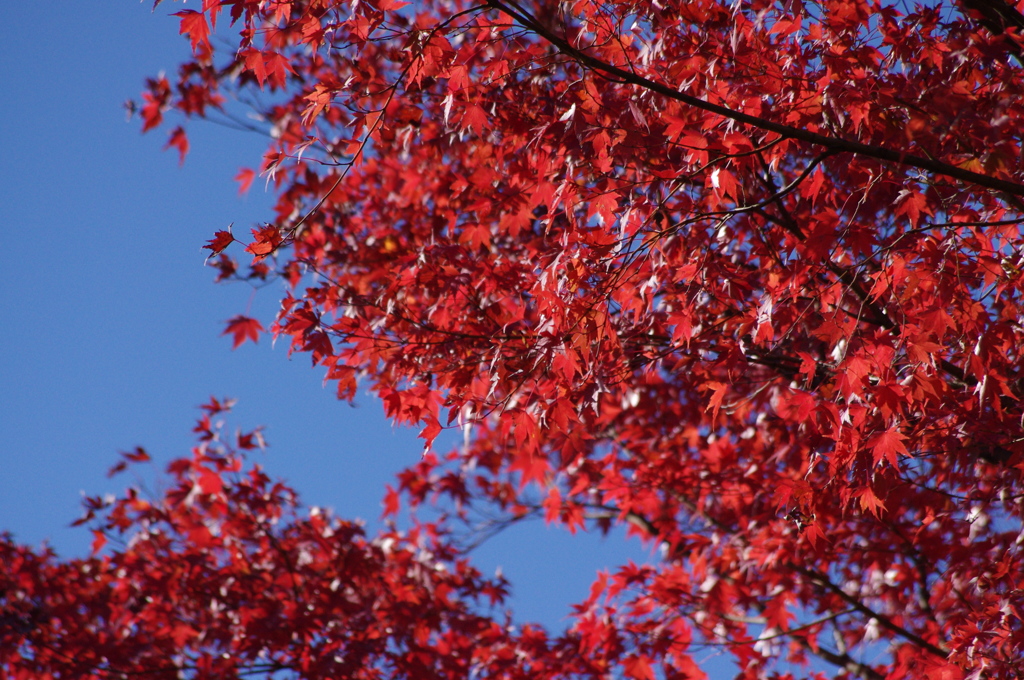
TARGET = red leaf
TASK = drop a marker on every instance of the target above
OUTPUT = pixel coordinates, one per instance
(552, 505)
(210, 482)
(98, 541)
(266, 241)
(391, 5)
(194, 24)
(319, 100)
(815, 535)
(637, 667)
(182, 633)
(429, 432)
(318, 343)
(154, 102)
(138, 455)
(475, 118)
(717, 395)
(255, 63)
(889, 446)
(777, 612)
(911, 204)
(871, 502)
(277, 67)
(220, 241)
(217, 406)
(392, 502)
(244, 178)
(179, 141)
(268, 65)
(251, 440)
(243, 328)
(213, 7)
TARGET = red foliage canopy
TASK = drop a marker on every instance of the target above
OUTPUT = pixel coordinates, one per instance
(223, 578)
(745, 275)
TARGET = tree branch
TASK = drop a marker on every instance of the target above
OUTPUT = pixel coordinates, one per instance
(997, 16)
(817, 577)
(833, 144)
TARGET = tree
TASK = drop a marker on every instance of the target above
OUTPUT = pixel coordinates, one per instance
(744, 276)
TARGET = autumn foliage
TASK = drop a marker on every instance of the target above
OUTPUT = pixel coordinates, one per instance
(222, 578)
(744, 276)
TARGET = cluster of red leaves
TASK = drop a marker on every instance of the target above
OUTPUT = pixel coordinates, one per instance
(226, 576)
(747, 276)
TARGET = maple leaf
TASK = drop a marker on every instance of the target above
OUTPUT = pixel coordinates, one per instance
(889, 446)
(777, 612)
(552, 505)
(138, 455)
(392, 502)
(215, 406)
(871, 502)
(475, 118)
(210, 482)
(194, 25)
(815, 535)
(212, 8)
(267, 65)
(265, 241)
(179, 141)
(250, 440)
(912, 204)
(277, 66)
(318, 344)
(243, 328)
(244, 178)
(319, 101)
(99, 540)
(638, 668)
(255, 63)
(429, 433)
(221, 240)
(718, 391)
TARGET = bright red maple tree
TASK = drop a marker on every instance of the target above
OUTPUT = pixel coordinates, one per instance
(746, 276)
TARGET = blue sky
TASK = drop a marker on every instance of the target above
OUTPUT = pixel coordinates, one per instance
(111, 325)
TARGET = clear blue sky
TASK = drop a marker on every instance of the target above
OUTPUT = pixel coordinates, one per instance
(111, 325)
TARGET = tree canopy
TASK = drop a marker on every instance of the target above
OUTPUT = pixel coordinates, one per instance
(743, 276)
